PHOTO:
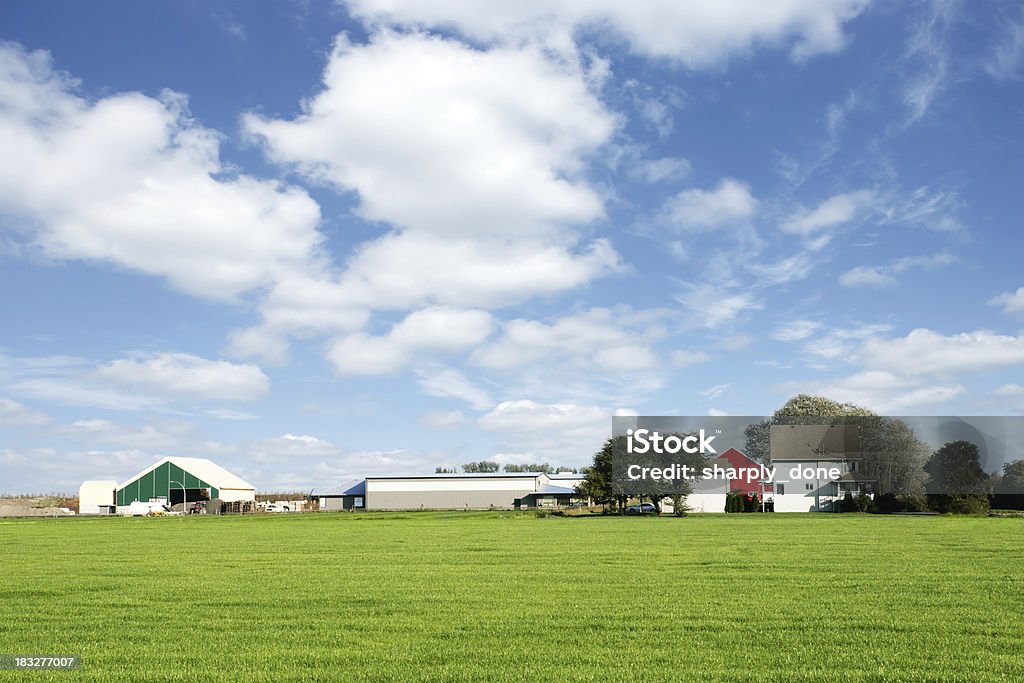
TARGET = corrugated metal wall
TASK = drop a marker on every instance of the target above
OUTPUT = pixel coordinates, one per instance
(157, 483)
(443, 500)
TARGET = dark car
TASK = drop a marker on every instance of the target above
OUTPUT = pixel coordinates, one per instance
(643, 509)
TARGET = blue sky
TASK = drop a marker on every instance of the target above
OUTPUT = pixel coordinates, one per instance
(313, 240)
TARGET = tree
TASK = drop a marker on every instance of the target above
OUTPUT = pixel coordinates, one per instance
(1012, 481)
(444, 470)
(597, 479)
(482, 467)
(891, 452)
(955, 469)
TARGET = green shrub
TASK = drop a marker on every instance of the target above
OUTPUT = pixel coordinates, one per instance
(848, 504)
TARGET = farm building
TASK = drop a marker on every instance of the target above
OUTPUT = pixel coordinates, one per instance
(193, 479)
(709, 496)
(349, 495)
(805, 455)
(96, 497)
(458, 491)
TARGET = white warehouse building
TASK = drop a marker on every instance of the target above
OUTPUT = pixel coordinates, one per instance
(457, 491)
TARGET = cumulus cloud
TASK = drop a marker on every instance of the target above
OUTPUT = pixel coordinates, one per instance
(475, 158)
(436, 136)
(693, 33)
(695, 210)
(182, 374)
(435, 329)
(925, 352)
(1010, 302)
(134, 181)
(614, 339)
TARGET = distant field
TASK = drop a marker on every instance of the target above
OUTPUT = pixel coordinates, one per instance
(507, 597)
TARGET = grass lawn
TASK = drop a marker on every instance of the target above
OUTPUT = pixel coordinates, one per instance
(502, 596)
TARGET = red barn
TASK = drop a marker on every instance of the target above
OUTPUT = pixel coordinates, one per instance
(738, 460)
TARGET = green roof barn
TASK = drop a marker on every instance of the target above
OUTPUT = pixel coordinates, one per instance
(194, 478)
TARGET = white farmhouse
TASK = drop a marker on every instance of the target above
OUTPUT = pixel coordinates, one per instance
(815, 466)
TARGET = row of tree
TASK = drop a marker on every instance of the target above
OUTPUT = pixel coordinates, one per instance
(489, 466)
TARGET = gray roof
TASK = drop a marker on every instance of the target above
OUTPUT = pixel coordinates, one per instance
(854, 476)
(462, 475)
(548, 488)
(352, 487)
(814, 442)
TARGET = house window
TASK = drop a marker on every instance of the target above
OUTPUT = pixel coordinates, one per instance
(809, 487)
(358, 502)
(853, 466)
(780, 489)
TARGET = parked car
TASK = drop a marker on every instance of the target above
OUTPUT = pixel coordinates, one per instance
(643, 509)
(274, 507)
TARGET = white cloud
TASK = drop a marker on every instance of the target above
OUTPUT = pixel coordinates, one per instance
(134, 181)
(437, 136)
(73, 391)
(614, 339)
(885, 276)
(927, 58)
(832, 213)
(435, 329)
(450, 383)
(525, 416)
(788, 269)
(14, 414)
(885, 392)
(715, 412)
(1009, 390)
(476, 160)
(182, 374)
(795, 330)
(147, 437)
(694, 33)
(230, 414)
(713, 306)
(842, 343)
(1011, 302)
(1007, 59)
(660, 170)
(924, 352)
(714, 392)
(291, 446)
(926, 208)
(695, 210)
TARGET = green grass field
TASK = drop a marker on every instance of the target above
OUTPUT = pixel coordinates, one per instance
(501, 596)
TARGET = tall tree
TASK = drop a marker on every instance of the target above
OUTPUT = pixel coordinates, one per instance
(1012, 480)
(892, 454)
(597, 479)
(955, 469)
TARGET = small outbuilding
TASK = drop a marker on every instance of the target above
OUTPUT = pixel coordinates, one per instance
(349, 495)
(96, 497)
